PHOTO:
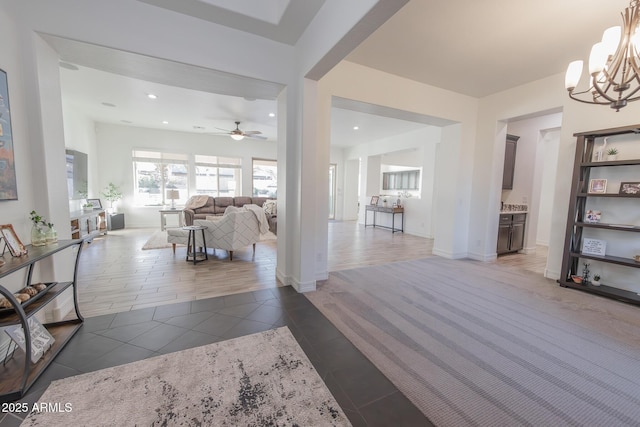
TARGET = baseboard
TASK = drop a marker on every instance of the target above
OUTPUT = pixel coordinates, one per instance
(528, 251)
(549, 274)
(482, 257)
(303, 286)
(283, 278)
(449, 255)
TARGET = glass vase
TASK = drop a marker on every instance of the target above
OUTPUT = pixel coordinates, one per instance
(38, 236)
(51, 236)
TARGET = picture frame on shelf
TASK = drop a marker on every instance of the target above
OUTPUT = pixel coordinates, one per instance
(630, 189)
(592, 217)
(594, 247)
(374, 200)
(597, 186)
(12, 240)
(97, 204)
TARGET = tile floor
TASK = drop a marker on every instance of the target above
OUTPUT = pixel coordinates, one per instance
(365, 395)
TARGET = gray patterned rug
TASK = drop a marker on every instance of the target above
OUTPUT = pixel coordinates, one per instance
(263, 379)
(478, 344)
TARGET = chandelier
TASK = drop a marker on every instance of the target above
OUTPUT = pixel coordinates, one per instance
(614, 65)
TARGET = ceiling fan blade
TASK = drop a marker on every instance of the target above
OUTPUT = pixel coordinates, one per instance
(226, 130)
(255, 136)
(252, 132)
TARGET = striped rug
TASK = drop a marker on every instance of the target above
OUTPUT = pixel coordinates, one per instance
(478, 344)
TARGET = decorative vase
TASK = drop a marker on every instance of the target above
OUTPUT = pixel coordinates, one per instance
(612, 157)
(38, 236)
(51, 236)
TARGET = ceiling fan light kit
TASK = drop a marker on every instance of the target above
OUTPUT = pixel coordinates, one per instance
(239, 135)
(614, 65)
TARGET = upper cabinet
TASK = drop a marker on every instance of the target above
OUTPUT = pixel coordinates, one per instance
(509, 162)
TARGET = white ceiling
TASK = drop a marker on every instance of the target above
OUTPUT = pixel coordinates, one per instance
(470, 47)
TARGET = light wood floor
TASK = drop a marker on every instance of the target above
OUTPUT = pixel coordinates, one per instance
(117, 275)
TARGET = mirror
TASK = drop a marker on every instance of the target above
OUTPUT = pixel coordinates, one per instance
(77, 175)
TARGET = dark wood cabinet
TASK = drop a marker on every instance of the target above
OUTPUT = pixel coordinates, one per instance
(509, 162)
(511, 233)
(573, 258)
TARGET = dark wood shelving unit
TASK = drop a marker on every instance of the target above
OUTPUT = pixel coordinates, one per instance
(583, 164)
(18, 373)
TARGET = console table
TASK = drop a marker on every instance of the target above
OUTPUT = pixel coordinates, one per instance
(18, 373)
(381, 209)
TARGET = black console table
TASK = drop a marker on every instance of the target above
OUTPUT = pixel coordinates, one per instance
(18, 373)
(381, 209)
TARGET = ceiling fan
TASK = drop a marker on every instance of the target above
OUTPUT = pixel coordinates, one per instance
(239, 135)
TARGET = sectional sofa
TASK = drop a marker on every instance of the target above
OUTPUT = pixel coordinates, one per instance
(217, 206)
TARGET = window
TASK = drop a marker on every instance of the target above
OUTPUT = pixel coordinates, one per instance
(218, 176)
(401, 180)
(265, 178)
(156, 172)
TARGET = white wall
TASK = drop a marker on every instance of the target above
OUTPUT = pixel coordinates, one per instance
(546, 169)
(418, 149)
(115, 145)
(529, 172)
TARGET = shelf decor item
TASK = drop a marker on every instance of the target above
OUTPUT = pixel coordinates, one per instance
(612, 153)
(592, 217)
(630, 189)
(597, 186)
(51, 234)
(41, 339)
(16, 248)
(593, 247)
(95, 203)
(38, 232)
(374, 200)
(596, 280)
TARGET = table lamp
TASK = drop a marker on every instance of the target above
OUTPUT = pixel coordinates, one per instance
(173, 195)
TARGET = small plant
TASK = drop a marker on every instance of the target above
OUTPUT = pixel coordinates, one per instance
(112, 193)
(37, 219)
(612, 151)
(596, 277)
(87, 205)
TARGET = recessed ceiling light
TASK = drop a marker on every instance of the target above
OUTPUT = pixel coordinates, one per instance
(68, 66)
(108, 104)
(272, 114)
(152, 96)
(164, 122)
(198, 127)
(356, 127)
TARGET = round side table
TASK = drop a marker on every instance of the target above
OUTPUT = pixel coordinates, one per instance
(196, 257)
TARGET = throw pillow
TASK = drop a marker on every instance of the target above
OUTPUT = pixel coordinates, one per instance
(270, 207)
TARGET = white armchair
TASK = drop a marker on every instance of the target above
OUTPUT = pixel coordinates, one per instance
(231, 231)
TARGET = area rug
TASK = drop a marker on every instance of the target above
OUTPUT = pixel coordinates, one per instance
(478, 344)
(263, 379)
(158, 240)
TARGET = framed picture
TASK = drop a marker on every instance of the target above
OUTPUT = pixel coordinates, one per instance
(598, 186)
(592, 216)
(630, 188)
(594, 247)
(13, 242)
(374, 200)
(97, 204)
(8, 185)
